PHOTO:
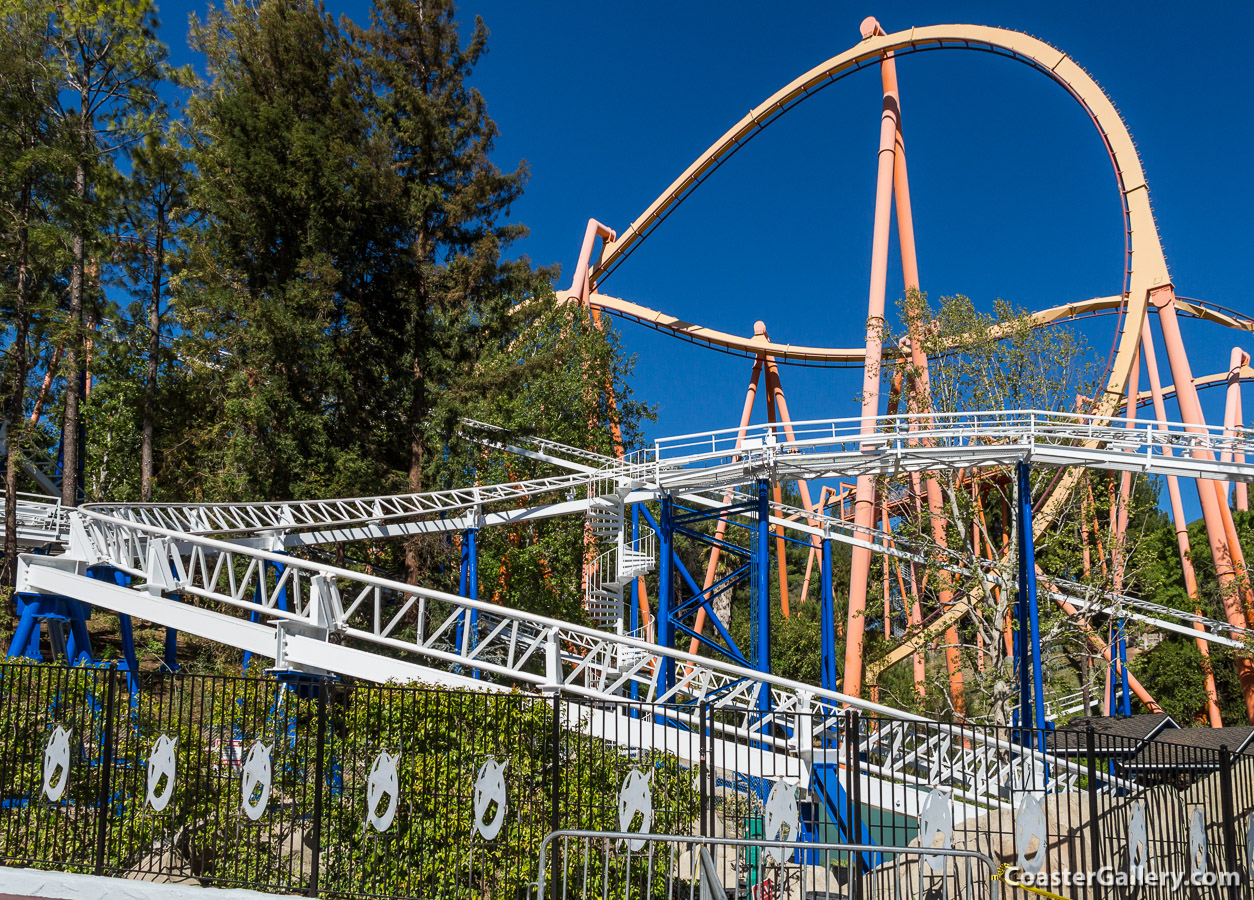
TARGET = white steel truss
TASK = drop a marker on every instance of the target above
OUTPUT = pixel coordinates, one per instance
(315, 617)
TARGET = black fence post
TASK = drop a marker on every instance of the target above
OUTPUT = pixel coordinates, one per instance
(555, 812)
(315, 865)
(853, 814)
(1231, 861)
(105, 796)
(704, 770)
(1095, 832)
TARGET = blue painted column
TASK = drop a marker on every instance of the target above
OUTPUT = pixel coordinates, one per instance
(259, 597)
(171, 657)
(760, 641)
(633, 595)
(1031, 679)
(468, 586)
(1120, 694)
(666, 592)
(1123, 668)
(25, 642)
(828, 678)
(1112, 693)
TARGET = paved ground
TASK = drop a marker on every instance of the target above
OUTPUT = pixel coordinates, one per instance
(31, 884)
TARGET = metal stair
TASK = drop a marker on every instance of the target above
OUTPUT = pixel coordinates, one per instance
(612, 572)
(605, 516)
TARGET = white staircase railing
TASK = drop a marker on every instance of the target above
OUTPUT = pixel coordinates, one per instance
(612, 572)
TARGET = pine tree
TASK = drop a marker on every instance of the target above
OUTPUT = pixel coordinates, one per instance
(29, 177)
(156, 198)
(109, 64)
(454, 290)
(292, 255)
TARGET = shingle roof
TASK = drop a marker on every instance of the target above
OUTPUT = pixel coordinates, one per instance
(1192, 749)
(1234, 737)
(1113, 735)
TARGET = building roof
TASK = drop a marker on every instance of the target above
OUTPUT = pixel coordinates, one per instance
(1192, 749)
(1235, 737)
(1118, 736)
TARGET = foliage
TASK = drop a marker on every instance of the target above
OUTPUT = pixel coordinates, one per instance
(441, 739)
(980, 361)
(1172, 672)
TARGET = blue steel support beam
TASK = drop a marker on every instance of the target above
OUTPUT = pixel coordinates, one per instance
(120, 578)
(280, 599)
(1112, 681)
(1031, 678)
(468, 586)
(700, 596)
(633, 595)
(678, 610)
(828, 678)
(1120, 696)
(666, 591)
(1123, 669)
(25, 640)
(170, 659)
(761, 639)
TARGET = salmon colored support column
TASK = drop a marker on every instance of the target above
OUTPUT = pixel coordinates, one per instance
(1232, 418)
(781, 543)
(720, 529)
(582, 287)
(1120, 519)
(1227, 556)
(1242, 490)
(1182, 531)
(864, 503)
(581, 284)
(775, 390)
(920, 380)
(819, 506)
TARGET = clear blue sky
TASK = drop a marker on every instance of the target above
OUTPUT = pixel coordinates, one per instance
(1013, 194)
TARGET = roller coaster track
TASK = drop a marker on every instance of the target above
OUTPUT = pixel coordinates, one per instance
(826, 448)
(42, 523)
(836, 357)
(314, 617)
(216, 570)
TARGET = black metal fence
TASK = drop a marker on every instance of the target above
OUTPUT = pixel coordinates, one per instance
(319, 742)
(330, 789)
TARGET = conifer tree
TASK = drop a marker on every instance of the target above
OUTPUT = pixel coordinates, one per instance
(453, 289)
(156, 198)
(29, 157)
(292, 253)
(109, 62)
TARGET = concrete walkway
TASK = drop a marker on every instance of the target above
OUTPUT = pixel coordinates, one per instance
(26, 884)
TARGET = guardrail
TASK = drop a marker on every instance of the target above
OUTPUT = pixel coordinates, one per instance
(606, 870)
(960, 427)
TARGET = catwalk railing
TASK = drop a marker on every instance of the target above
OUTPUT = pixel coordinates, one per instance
(709, 460)
(330, 788)
(42, 521)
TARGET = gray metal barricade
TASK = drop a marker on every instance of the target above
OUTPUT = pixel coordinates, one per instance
(634, 866)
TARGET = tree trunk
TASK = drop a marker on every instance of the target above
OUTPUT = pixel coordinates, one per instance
(413, 567)
(73, 359)
(154, 349)
(49, 377)
(17, 396)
